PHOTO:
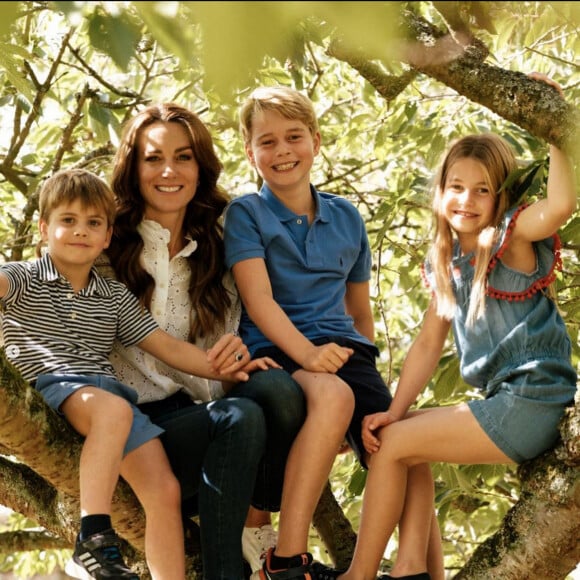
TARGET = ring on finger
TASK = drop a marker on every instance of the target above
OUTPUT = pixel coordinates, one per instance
(238, 356)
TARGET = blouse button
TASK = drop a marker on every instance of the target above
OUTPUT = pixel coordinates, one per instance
(299, 221)
(73, 315)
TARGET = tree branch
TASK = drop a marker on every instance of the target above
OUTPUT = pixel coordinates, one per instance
(547, 508)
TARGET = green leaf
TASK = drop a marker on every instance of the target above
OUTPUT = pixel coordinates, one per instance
(116, 36)
(9, 13)
(103, 122)
(570, 233)
(11, 62)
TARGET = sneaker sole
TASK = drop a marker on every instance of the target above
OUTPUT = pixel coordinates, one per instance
(76, 571)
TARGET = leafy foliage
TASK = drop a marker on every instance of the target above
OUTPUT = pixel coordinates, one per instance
(74, 71)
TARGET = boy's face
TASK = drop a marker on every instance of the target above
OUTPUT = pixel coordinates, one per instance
(283, 151)
(75, 235)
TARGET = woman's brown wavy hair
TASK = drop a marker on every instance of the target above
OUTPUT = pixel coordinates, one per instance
(202, 221)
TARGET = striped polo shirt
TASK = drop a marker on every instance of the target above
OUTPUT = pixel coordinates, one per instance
(48, 329)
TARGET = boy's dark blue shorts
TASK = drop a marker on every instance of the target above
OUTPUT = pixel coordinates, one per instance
(371, 393)
(56, 388)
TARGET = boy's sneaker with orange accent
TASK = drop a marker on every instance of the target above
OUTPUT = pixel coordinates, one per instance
(324, 572)
(299, 568)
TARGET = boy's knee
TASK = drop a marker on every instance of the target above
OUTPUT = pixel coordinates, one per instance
(164, 492)
(333, 405)
(119, 413)
(171, 489)
(339, 395)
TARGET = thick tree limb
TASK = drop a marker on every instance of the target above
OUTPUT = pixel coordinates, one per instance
(42, 482)
(37, 437)
(334, 529)
(540, 535)
(457, 59)
(25, 492)
(21, 541)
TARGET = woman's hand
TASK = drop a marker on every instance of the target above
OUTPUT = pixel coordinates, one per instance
(264, 363)
(228, 355)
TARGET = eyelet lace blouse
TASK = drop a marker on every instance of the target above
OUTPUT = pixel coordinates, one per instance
(171, 308)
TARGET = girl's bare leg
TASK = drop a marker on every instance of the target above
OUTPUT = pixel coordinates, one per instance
(447, 434)
(435, 560)
(419, 537)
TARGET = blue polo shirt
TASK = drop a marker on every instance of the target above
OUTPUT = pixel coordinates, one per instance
(308, 266)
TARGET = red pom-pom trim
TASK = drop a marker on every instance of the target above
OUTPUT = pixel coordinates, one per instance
(538, 285)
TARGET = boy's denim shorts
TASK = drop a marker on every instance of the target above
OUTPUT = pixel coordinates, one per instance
(360, 372)
(524, 407)
(56, 388)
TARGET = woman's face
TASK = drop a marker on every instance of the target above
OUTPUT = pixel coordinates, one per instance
(167, 170)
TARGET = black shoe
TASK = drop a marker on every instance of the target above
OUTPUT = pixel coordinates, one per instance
(323, 572)
(299, 569)
(99, 557)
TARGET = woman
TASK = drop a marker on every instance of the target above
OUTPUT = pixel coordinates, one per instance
(167, 247)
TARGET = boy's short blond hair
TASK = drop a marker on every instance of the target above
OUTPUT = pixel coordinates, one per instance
(288, 102)
(69, 185)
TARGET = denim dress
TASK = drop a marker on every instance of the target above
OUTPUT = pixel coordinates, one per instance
(519, 353)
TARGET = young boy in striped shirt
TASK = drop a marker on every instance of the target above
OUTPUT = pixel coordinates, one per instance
(60, 319)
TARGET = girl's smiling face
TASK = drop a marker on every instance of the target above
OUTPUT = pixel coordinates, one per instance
(467, 202)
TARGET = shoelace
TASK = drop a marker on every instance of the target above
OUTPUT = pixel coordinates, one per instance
(267, 537)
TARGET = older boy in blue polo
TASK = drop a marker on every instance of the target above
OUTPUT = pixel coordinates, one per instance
(302, 262)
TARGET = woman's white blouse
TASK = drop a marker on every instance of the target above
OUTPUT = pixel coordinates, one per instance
(171, 308)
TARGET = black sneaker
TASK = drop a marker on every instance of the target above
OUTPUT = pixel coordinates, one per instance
(299, 568)
(323, 572)
(99, 556)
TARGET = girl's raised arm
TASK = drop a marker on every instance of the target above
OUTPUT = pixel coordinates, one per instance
(543, 218)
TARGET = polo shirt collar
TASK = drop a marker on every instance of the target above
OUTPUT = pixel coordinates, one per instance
(284, 214)
(47, 272)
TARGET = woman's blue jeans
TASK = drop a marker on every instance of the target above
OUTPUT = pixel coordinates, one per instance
(284, 406)
(217, 449)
